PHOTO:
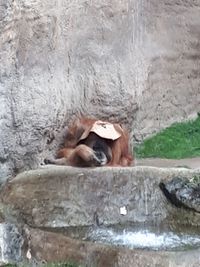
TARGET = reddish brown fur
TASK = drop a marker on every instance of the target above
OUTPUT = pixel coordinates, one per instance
(120, 149)
(76, 130)
(75, 154)
(80, 156)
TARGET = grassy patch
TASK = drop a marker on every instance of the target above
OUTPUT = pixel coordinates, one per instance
(180, 140)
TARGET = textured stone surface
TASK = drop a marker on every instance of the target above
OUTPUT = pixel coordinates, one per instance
(53, 247)
(44, 246)
(105, 58)
(11, 243)
(65, 196)
(182, 193)
(48, 199)
(193, 163)
(171, 44)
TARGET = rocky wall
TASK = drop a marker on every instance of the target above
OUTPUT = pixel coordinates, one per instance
(131, 61)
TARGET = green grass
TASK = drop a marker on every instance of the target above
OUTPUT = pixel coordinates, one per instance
(180, 140)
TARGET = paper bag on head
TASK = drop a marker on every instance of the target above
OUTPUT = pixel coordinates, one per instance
(103, 129)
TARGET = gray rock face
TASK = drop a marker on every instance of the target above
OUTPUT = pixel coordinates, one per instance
(45, 246)
(54, 247)
(101, 58)
(182, 193)
(65, 196)
(11, 242)
(171, 91)
(48, 202)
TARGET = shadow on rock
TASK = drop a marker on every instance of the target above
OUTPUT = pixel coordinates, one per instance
(182, 193)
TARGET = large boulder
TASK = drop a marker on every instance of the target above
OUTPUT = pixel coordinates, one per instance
(66, 196)
(42, 208)
(37, 247)
(100, 58)
(52, 247)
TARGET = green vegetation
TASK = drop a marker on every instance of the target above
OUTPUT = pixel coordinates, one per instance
(181, 140)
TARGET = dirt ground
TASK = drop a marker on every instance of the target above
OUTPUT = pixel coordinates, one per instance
(192, 163)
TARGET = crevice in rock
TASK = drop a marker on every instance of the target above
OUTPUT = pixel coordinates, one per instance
(182, 194)
(171, 197)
